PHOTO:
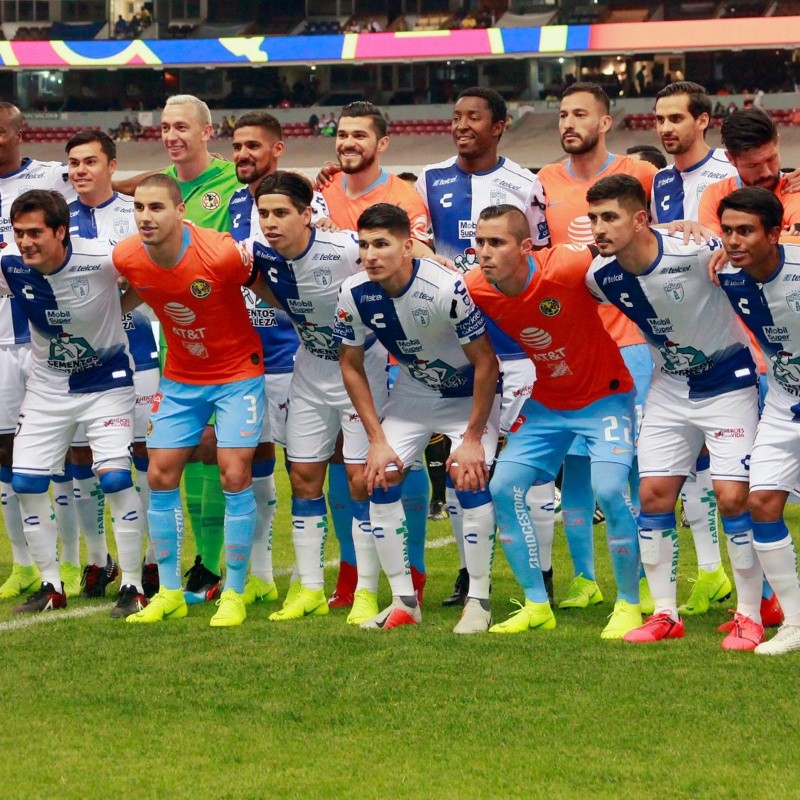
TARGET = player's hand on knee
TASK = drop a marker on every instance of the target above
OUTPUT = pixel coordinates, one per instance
(470, 460)
(380, 456)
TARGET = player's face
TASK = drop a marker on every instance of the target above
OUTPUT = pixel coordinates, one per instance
(10, 137)
(474, 133)
(357, 144)
(183, 133)
(759, 166)
(746, 242)
(614, 226)
(582, 122)
(255, 153)
(284, 227)
(157, 217)
(501, 257)
(383, 253)
(90, 171)
(675, 126)
(42, 248)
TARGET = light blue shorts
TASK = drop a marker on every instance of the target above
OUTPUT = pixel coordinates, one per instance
(545, 435)
(182, 410)
(640, 365)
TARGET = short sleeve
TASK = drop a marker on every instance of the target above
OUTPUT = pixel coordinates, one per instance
(465, 317)
(347, 327)
(534, 211)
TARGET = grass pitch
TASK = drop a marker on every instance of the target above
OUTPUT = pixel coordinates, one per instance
(94, 708)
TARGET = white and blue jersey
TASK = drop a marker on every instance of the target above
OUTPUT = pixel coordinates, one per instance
(676, 193)
(114, 221)
(698, 346)
(32, 174)
(456, 198)
(424, 327)
(308, 286)
(771, 310)
(78, 344)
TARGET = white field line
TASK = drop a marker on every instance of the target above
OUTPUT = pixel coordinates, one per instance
(87, 611)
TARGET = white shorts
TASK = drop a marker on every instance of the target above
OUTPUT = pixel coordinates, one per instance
(145, 384)
(775, 461)
(518, 377)
(15, 365)
(319, 409)
(674, 430)
(47, 425)
(277, 387)
(409, 421)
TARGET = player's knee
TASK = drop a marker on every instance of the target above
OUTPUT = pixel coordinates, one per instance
(22, 483)
(656, 498)
(766, 506)
(732, 500)
(236, 477)
(115, 480)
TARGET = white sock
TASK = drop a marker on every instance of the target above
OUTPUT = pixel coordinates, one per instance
(90, 510)
(541, 505)
(779, 561)
(41, 533)
(266, 505)
(747, 574)
(308, 536)
(127, 522)
(659, 550)
(13, 521)
(66, 521)
(391, 542)
(700, 507)
(367, 561)
(479, 540)
(457, 521)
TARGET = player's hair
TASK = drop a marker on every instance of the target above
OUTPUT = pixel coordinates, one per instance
(15, 116)
(594, 89)
(362, 108)
(165, 182)
(263, 120)
(292, 185)
(407, 176)
(649, 153)
(52, 205)
(201, 109)
(623, 188)
(494, 100)
(699, 101)
(87, 136)
(386, 216)
(746, 129)
(517, 222)
(755, 200)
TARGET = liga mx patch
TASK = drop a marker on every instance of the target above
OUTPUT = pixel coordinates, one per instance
(549, 306)
(200, 289)
(210, 201)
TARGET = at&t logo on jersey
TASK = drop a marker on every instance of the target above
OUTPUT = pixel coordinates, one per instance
(536, 338)
(210, 201)
(180, 314)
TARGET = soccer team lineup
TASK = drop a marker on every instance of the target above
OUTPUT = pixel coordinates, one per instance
(604, 338)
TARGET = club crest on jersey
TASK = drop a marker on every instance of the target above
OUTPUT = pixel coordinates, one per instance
(793, 301)
(121, 226)
(549, 306)
(421, 316)
(322, 275)
(674, 291)
(497, 197)
(210, 201)
(80, 287)
(200, 289)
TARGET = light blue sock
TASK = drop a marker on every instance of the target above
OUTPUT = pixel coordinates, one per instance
(610, 483)
(517, 535)
(577, 508)
(240, 526)
(165, 518)
(416, 494)
(341, 511)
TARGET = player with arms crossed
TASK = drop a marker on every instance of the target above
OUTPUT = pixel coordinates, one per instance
(582, 388)
(448, 382)
(760, 283)
(81, 374)
(192, 277)
(703, 391)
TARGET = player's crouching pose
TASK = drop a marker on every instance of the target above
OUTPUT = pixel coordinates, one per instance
(761, 284)
(192, 278)
(448, 383)
(81, 373)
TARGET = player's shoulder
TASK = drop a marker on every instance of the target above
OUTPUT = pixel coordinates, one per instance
(436, 274)
(239, 196)
(335, 240)
(719, 189)
(554, 170)
(790, 248)
(335, 187)
(125, 248)
(357, 284)
(508, 169)
(672, 244)
(562, 260)
(449, 164)
(89, 247)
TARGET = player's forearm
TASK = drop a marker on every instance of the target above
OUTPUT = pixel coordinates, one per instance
(129, 300)
(487, 373)
(356, 383)
(260, 288)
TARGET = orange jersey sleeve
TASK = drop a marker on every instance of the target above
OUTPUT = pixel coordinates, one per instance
(555, 320)
(345, 210)
(199, 303)
(709, 202)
